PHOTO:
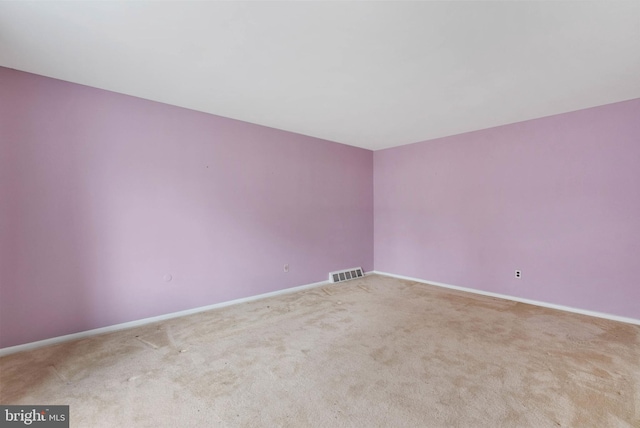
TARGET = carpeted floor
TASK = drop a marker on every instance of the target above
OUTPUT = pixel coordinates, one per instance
(366, 353)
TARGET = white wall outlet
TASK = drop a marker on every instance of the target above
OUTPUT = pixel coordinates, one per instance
(518, 274)
(286, 268)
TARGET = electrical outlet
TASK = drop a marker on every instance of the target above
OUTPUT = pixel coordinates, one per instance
(518, 274)
(286, 268)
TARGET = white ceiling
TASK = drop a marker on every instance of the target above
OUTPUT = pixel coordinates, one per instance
(368, 74)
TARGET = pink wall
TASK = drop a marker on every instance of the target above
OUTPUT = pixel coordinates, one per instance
(556, 197)
(103, 194)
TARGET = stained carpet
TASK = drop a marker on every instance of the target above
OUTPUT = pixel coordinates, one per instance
(374, 352)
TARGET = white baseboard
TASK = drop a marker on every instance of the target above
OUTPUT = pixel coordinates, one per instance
(516, 299)
(137, 323)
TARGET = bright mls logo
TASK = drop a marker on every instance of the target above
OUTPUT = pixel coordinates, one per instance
(34, 416)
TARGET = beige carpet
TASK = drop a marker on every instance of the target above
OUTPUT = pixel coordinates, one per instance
(366, 353)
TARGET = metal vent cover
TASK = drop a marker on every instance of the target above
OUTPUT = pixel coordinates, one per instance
(346, 275)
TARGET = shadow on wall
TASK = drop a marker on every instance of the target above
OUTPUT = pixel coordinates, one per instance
(46, 245)
(66, 190)
(81, 203)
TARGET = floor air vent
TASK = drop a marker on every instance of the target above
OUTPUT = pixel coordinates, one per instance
(346, 275)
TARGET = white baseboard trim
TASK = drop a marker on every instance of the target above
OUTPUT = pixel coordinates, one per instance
(516, 299)
(137, 323)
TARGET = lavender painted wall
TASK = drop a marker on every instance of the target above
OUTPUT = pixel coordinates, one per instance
(103, 194)
(556, 197)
